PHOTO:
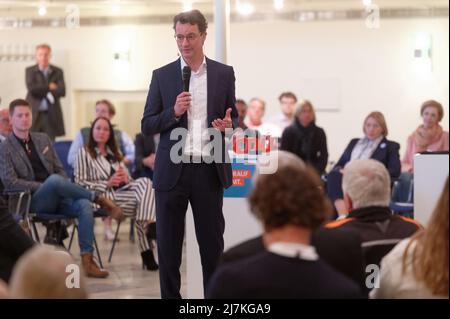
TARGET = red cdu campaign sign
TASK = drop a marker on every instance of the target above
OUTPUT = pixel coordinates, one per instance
(246, 152)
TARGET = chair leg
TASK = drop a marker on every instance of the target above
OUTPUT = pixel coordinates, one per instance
(132, 221)
(75, 228)
(59, 236)
(114, 241)
(98, 253)
(36, 239)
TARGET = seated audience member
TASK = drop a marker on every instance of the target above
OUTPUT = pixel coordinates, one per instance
(43, 273)
(255, 113)
(367, 193)
(103, 108)
(99, 167)
(14, 242)
(428, 137)
(5, 125)
(339, 248)
(145, 156)
(106, 109)
(29, 162)
(374, 145)
(286, 117)
(305, 139)
(291, 205)
(418, 266)
(241, 108)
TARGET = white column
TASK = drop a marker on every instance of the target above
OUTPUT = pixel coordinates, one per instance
(222, 27)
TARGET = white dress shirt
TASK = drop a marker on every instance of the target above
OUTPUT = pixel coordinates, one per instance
(293, 250)
(197, 136)
(365, 147)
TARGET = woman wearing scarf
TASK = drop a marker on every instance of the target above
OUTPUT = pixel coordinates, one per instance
(428, 137)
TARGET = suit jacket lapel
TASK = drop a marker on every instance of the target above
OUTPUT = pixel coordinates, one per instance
(379, 151)
(212, 79)
(178, 87)
(19, 150)
(40, 148)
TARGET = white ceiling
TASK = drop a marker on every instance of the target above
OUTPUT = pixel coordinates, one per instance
(104, 8)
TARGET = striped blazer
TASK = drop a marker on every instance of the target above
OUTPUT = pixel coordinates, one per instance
(94, 173)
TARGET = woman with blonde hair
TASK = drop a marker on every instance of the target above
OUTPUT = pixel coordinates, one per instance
(418, 266)
(374, 145)
(305, 139)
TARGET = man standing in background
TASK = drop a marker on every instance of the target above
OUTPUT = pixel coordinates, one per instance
(45, 85)
(288, 102)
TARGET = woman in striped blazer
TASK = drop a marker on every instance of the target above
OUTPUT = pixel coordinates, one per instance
(99, 166)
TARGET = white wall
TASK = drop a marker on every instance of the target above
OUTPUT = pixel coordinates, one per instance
(342, 63)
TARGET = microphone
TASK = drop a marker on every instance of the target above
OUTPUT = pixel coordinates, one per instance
(186, 78)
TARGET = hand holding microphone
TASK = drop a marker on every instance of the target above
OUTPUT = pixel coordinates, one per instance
(184, 99)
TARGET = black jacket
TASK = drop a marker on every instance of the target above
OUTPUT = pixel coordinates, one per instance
(341, 249)
(267, 275)
(310, 144)
(378, 228)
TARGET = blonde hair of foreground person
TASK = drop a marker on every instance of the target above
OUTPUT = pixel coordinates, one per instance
(42, 273)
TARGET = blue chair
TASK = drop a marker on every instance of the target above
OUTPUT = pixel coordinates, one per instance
(62, 150)
(402, 200)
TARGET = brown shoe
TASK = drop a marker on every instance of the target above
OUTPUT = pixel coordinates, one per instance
(91, 269)
(113, 210)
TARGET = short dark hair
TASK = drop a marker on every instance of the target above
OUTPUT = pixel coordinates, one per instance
(241, 101)
(288, 95)
(194, 17)
(16, 103)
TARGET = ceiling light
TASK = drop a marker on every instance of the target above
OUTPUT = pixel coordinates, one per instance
(42, 10)
(244, 8)
(278, 4)
(187, 6)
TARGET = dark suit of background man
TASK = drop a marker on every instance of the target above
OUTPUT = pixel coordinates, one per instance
(45, 85)
(210, 101)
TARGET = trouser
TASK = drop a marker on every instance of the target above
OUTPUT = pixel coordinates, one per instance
(137, 199)
(198, 185)
(57, 195)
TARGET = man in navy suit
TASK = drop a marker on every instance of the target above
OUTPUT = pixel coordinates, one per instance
(199, 178)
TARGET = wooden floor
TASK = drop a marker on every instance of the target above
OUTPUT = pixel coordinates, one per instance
(127, 279)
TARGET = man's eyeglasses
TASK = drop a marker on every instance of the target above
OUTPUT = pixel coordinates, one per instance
(190, 37)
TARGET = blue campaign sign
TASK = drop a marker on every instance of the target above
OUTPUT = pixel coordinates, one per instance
(243, 172)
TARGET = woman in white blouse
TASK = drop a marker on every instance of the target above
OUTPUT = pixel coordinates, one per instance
(418, 267)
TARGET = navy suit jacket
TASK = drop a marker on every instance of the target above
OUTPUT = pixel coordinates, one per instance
(387, 153)
(159, 116)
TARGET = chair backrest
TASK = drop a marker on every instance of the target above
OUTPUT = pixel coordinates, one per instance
(62, 149)
(403, 189)
(374, 251)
